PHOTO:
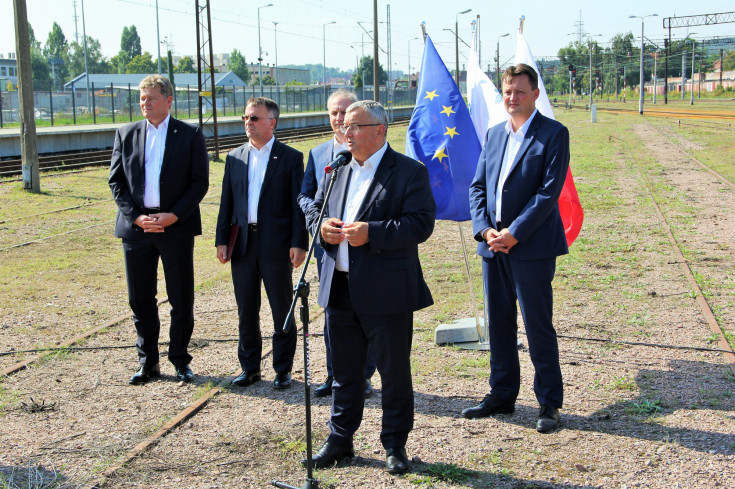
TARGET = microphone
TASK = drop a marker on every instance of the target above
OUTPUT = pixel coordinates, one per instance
(343, 157)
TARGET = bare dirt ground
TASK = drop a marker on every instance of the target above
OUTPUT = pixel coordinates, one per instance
(634, 416)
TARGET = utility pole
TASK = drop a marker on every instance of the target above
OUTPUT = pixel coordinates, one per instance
(376, 64)
(28, 143)
(76, 18)
(158, 39)
(722, 66)
(691, 92)
(683, 72)
(86, 62)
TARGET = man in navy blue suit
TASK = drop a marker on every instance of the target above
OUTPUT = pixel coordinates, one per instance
(380, 209)
(319, 158)
(259, 191)
(159, 172)
(515, 217)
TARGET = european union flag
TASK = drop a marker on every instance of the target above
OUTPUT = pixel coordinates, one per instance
(441, 136)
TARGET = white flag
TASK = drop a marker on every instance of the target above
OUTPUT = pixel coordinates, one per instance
(486, 103)
(523, 55)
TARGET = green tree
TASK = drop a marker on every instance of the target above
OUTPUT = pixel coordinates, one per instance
(56, 51)
(186, 65)
(129, 48)
(366, 68)
(239, 66)
(130, 41)
(728, 61)
(143, 63)
(97, 62)
(267, 80)
(39, 65)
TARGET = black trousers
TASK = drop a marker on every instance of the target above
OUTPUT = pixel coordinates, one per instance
(528, 282)
(141, 267)
(389, 338)
(248, 272)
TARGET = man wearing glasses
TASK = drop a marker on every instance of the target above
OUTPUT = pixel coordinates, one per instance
(319, 158)
(380, 209)
(261, 232)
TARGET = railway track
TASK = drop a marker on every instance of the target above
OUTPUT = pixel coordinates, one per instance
(77, 161)
(666, 112)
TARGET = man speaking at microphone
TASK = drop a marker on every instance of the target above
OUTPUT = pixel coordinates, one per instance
(319, 161)
(380, 209)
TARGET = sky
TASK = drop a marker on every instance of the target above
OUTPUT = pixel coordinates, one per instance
(299, 38)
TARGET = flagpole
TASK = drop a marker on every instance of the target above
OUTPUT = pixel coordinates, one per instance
(480, 332)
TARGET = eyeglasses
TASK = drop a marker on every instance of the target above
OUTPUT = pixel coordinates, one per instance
(355, 128)
(255, 118)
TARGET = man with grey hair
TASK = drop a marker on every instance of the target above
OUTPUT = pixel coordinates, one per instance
(158, 175)
(319, 158)
(380, 209)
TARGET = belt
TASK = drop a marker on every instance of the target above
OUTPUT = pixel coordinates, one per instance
(253, 226)
(151, 210)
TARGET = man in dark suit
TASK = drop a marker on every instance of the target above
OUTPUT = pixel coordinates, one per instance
(158, 175)
(380, 209)
(515, 217)
(259, 195)
(319, 158)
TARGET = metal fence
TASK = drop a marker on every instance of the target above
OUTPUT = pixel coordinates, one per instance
(114, 103)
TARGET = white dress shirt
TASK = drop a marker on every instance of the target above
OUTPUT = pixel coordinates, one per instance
(515, 139)
(155, 145)
(257, 164)
(360, 180)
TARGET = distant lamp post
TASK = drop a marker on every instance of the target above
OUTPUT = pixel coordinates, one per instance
(589, 43)
(497, 61)
(275, 48)
(260, 51)
(456, 41)
(641, 87)
(324, 58)
(409, 60)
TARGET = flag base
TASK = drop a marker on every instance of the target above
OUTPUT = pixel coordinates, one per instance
(462, 334)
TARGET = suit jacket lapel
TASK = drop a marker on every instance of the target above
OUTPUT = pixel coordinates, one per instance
(272, 167)
(171, 134)
(382, 175)
(140, 135)
(527, 140)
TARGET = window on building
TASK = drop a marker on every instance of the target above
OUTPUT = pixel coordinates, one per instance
(2, 70)
(11, 71)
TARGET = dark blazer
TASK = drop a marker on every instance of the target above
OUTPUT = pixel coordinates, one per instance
(184, 177)
(280, 220)
(530, 193)
(385, 274)
(319, 158)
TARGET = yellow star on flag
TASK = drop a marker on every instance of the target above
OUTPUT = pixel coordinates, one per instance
(447, 110)
(430, 95)
(440, 154)
(451, 131)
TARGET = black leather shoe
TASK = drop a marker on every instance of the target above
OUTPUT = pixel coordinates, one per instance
(548, 419)
(184, 373)
(396, 460)
(246, 378)
(325, 389)
(489, 406)
(144, 374)
(282, 380)
(329, 455)
(368, 388)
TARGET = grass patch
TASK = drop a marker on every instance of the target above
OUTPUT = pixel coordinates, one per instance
(644, 407)
(441, 472)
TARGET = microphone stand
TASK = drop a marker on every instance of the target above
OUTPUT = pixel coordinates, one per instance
(301, 291)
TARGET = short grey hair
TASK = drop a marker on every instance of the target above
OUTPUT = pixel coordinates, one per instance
(374, 109)
(343, 93)
(150, 81)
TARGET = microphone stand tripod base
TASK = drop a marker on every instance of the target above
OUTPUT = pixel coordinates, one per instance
(308, 484)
